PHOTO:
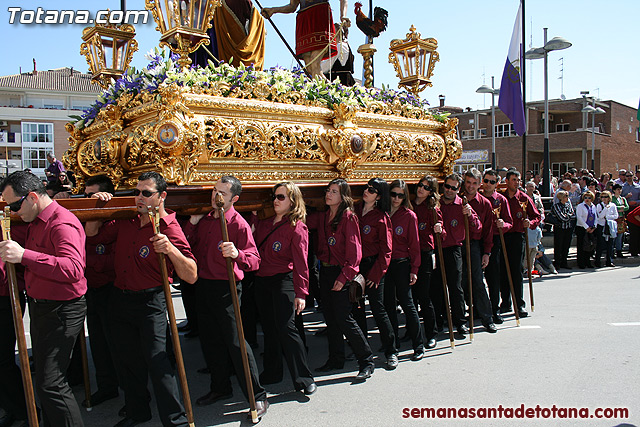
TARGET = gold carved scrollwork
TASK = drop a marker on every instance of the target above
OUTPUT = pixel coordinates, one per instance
(348, 148)
(453, 146)
(406, 148)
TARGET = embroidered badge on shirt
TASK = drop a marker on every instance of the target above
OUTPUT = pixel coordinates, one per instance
(454, 222)
(100, 249)
(366, 229)
(399, 230)
(331, 241)
(422, 226)
(144, 251)
(519, 214)
(276, 246)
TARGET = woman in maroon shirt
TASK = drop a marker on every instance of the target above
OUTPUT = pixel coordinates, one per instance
(426, 196)
(375, 231)
(281, 285)
(340, 251)
(403, 269)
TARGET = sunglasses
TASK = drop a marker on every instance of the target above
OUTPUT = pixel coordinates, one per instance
(372, 190)
(397, 195)
(280, 197)
(451, 187)
(588, 197)
(489, 181)
(15, 206)
(604, 197)
(425, 186)
(628, 176)
(145, 193)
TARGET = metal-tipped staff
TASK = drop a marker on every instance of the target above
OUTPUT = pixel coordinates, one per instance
(16, 310)
(526, 245)
(496, 212)
(154, 216)
(85, 369)
(467, 243)
(236, 309)
(443, 273)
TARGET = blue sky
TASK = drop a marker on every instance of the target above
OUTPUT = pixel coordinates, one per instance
(473, 38)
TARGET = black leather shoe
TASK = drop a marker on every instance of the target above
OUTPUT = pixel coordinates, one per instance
(417, 355)
(462, 329)
(329, 366)
(522, 313)
(99, 396)
(130, 422)
(491, 328)
(497, 319)
(432, 343)
(392, 362)
(310, 389)
(364, 373)
(261, 409)
(212, 397)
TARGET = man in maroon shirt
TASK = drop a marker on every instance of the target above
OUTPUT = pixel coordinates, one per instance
(514, 241)
(54, 261)
(218, 333)
(452, 216)
(137, 308)
(480, 249)
(492, 270)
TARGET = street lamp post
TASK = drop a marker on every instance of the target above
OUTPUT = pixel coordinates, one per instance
(593, 110)
(493, 92)
(556, 43)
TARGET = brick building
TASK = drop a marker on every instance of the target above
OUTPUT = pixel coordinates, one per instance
(34, 108)
(617, 137)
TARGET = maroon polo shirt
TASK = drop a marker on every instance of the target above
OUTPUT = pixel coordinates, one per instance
(406, 243)
(453, 220)
(136, 262)
(54, 256)
(340, 247)
(206, 238)
(284, 250)
(482, 207)
(100, 258)
(425, 225)
(518, 214)
(375, 233)
(496, 199)
(18, 234)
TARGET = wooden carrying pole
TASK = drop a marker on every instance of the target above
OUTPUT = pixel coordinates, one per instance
(526, 254)
(85, 369)
(467, 243)
(496, 212)
(236, 309)
(16, 309)
(154, 216)
(443, 273)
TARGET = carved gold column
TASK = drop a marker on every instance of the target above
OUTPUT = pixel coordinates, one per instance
(367, 51)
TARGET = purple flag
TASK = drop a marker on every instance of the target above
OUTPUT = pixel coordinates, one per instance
(510, 100)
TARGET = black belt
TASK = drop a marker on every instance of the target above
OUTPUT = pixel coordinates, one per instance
(53, 301)
(371, 258)
(326, 264)
(400, 259)
(141, 291)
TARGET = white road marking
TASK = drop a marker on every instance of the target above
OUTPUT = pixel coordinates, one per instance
(625, 324)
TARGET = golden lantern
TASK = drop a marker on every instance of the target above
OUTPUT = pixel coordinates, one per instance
(109, 49)
(414, 59)
(183, 24)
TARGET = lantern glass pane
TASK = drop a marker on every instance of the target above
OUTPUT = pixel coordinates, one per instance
(168, 14)
(107, 49)
(400, 58)
(120, 55)
(410, 53)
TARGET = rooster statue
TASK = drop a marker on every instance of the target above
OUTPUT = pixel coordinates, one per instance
(371, 28)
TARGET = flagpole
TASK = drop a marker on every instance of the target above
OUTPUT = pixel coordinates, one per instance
(524, 94)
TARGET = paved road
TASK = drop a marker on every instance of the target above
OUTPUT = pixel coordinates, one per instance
(578, 349)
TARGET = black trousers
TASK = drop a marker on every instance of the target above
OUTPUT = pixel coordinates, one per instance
(421, 292)
(584, 257)
(189, 301)
(219, 338)
(275, 296)
(604, 245)
(376, 304)
(634, 239)
(453, 270)
(561, 244)
(480, 298)
(514, 245)
(492, 274)
(336, 308)
(249, 308)
(54, 328)
(99, 327)
(396, 285)
(11, 388)
(139, 337)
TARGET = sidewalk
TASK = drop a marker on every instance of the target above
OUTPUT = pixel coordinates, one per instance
(547, 242)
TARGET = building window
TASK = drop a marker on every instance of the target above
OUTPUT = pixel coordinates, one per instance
(505, 129)
(536, 168)
(559, 169)
(562, 127)
(467, 134)
(37, 141)
(482, 133)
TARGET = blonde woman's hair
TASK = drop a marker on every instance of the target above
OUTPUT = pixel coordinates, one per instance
(298, 210)
(588, 193)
